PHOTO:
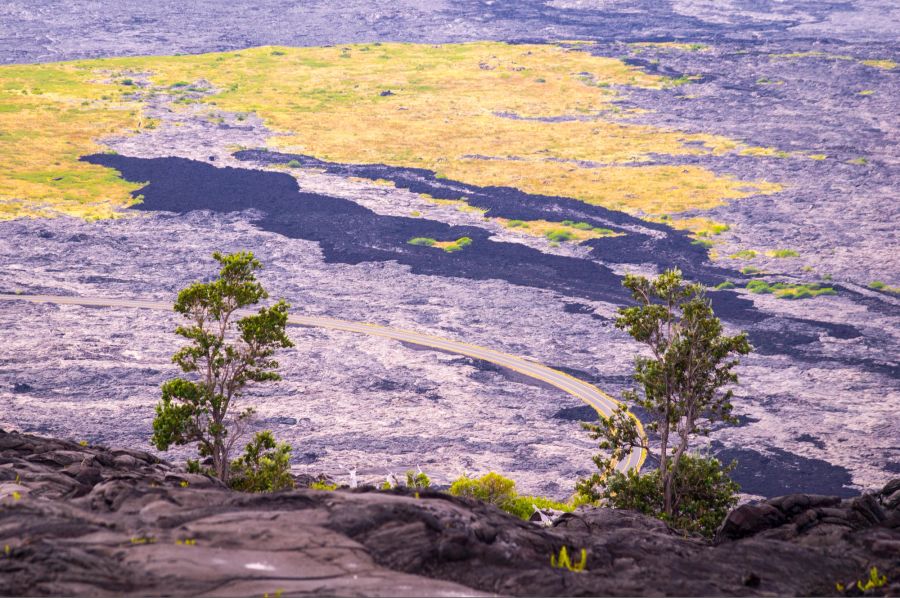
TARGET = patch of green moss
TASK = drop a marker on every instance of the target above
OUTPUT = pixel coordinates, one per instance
(423, 241)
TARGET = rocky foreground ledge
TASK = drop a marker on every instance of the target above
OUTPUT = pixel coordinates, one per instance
(81, 520)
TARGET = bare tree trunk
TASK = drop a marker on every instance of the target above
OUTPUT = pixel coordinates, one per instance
(664, 466)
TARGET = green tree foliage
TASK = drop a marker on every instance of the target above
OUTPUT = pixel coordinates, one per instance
(679, 385)
(703, 494)
(223, 355)
(264, 467)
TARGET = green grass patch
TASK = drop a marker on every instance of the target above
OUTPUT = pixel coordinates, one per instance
(422, 241)
(724, 285)
(457, 245)
(782, 253)
(785, 290)
(559, 235)
(517, 224)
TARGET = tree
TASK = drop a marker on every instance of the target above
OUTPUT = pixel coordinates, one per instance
(680, 385)
(225, 354)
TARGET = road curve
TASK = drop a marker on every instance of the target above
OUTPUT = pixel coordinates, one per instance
(590, 394)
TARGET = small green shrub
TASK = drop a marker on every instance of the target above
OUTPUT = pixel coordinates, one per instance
(783, 253)
(744, 254)
(294, 164)
(127, 82)
(265, 466)
(501, 492)
(491, 488)
(750, 270)
(417, 480)
(423, 241)
(319, 485)
(877, 285)
(516, 224)
(702, 243)
(724, 285)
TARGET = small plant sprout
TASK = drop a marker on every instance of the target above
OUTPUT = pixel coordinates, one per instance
(184, 483)
(186, 542)
(873, 582)
(564, 562)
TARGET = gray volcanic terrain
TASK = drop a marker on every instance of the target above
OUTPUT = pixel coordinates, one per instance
(818, 400)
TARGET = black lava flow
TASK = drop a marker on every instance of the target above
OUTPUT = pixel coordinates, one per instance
(352, 234)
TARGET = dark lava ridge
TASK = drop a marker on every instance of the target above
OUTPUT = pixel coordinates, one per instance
(92, 521)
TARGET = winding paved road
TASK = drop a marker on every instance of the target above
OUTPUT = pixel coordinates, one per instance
(588, 393)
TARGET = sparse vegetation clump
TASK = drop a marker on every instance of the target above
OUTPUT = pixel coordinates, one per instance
(681, 387)
(559, 235)
(223, 355)
(448, 246)
(782, 253)
(743, 254)
(789, 291)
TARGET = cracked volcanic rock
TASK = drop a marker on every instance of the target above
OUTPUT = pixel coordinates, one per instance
(84, 520)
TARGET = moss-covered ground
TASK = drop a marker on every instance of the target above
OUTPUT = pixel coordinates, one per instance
(542, 118)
